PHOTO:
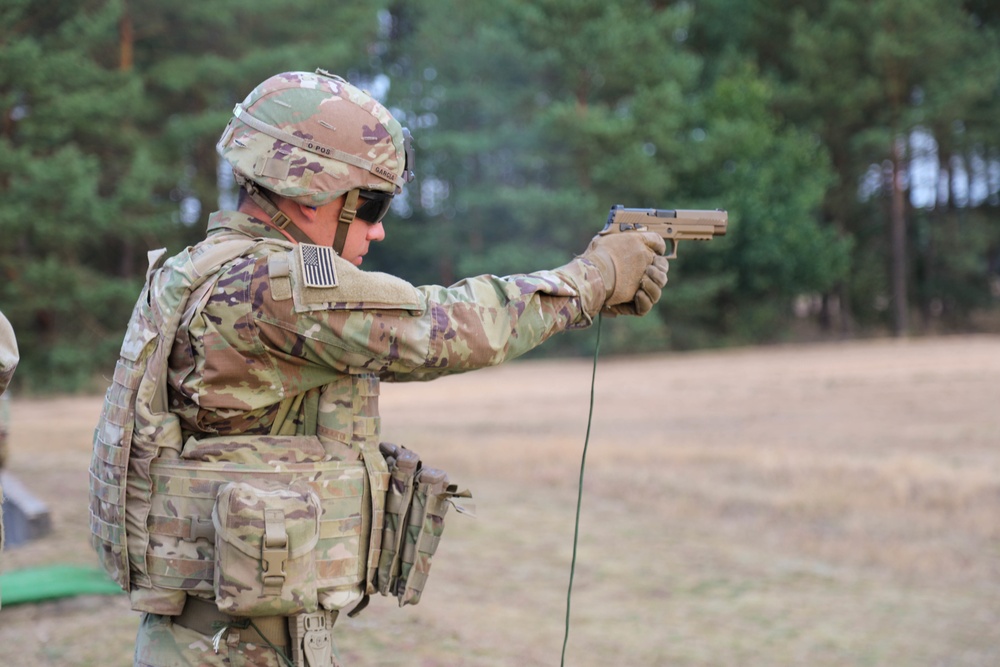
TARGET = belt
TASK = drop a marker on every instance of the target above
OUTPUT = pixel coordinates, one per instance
(204, 617)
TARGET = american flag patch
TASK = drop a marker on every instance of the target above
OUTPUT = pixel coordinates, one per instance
(318, 269)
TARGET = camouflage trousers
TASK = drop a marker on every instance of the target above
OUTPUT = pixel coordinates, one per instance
(163, 643)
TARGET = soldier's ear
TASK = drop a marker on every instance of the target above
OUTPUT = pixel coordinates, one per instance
(309, 212)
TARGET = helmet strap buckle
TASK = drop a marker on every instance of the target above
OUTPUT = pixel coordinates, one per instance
(278, 218)
(350, 208)
(347, 214)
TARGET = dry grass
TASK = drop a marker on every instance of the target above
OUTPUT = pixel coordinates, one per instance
(823, 506)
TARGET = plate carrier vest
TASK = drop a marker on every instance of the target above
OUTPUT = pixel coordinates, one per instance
(152, 495)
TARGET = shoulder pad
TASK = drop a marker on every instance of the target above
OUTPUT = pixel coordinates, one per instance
(156, 259)
(322, 280)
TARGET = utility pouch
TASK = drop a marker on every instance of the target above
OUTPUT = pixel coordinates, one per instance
(424, 527)
(416, 503)
(265, 548)
(402, 464)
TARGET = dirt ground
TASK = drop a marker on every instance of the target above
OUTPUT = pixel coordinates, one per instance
(824, 505)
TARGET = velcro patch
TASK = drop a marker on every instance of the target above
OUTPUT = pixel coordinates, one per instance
(318, 267)
(277, 273)
(353, 288)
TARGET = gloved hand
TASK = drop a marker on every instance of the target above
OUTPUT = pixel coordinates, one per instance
(633, 269)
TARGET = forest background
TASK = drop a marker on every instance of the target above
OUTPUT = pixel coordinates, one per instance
(855, 144)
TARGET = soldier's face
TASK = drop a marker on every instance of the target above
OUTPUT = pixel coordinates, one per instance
(321, 223)
(359, 236)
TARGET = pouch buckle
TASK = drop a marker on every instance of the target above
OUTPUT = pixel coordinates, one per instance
(274, 551)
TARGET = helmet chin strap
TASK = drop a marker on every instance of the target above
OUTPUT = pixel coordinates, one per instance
(285, 224)
(346, 218)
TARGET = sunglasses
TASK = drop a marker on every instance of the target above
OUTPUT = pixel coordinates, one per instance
(373, 205)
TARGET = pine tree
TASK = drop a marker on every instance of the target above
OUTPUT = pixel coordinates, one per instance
(541, 116)
(866, 78)
(111, 111)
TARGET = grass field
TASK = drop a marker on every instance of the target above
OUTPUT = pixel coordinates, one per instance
(822, 505)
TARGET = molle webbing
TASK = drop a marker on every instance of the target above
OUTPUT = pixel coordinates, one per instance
(116, 465)
(157, 545)
(350, 529)
(191, 488)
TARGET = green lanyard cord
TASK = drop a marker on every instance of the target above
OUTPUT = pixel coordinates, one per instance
(579, 494)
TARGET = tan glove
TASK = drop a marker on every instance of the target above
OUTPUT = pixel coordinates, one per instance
(633, 269)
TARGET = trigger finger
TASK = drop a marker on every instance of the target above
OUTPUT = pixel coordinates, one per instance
(656, 275)
(655, 242)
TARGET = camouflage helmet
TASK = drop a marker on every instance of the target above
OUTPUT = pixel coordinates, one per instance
(311, 137)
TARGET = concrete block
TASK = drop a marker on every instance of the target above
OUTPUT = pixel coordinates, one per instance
(25, 516)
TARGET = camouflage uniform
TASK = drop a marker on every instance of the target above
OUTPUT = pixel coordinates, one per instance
(8, 353)
(263, 349)
(8, 362)
(243, 351)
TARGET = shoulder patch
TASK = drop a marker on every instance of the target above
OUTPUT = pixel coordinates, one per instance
(318, 267)
(352, 288)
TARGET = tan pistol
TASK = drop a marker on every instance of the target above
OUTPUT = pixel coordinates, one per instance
(673, 225)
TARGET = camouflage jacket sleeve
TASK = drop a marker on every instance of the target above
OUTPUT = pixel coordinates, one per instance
(485, 321)
(8, 353)
(401, 332)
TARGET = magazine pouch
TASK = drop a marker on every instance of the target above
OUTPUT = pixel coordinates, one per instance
(415, 505)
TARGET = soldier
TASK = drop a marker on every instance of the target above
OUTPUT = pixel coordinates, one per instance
(238, 488)
(8, 362)
(8, 353)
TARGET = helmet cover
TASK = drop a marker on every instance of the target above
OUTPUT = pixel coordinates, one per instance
(312, 137)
